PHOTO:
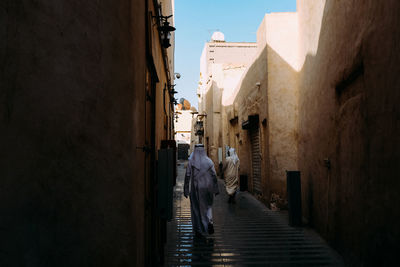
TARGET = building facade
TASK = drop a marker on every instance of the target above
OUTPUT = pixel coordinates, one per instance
(319, 96)
(85, 106)
(221, 66)
(348, 147)
(183, 131)
(260, 118)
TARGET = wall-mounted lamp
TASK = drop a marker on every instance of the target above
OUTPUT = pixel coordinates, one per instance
(177, 75)
(165, 30)
(199, 128)
(172, 89)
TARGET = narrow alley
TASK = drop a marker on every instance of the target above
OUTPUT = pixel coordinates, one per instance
(246, 233)
(294, 102)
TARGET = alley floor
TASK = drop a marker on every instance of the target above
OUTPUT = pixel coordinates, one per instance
(246, 233)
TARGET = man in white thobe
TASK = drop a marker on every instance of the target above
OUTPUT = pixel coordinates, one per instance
(201, 185)
(231, 174)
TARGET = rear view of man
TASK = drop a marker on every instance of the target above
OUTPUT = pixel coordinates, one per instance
(231, 174)
(201, 185)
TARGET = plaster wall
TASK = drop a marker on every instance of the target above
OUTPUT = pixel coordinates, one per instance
(184, 121)
(229, 52)
(212, 122)
(282, 97)
(72, 104)
(164, 69)
(194, 139)
(349, 127)
(221, 66)
(168, 8)
(183, 126)
(158, 125)
(224, 78)
(232, 74)
(268, 88)
(230, 55)
(225, 52)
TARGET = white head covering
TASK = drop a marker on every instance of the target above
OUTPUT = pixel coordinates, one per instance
(199, 159)
(232, 154)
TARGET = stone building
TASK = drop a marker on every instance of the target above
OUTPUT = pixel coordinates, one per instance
(221, 66)
(319, 96)
(85, 106)
(183, 129)
(349, 129)
(260, 118)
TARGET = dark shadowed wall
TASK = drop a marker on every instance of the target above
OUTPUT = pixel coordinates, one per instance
(349, 126)
(72, 75)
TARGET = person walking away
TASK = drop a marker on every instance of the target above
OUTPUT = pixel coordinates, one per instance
(200, 186)
(231, 174)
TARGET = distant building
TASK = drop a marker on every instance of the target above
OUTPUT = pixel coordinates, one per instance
(221, 66)
(183, 127)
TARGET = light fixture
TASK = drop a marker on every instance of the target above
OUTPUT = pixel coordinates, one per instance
(165, 30)
(172, 89)
(199, 128)
(177, 75)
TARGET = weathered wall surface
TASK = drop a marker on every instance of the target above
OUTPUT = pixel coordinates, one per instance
(221, 66)
(349, 115)
(184, 121)
(224, 78)
(71, 115)
(164, 108)
(268, 88)
(282, 90)
(248, 99)
(212, 121)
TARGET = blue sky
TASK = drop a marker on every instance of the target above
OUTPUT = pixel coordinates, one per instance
(196, 20)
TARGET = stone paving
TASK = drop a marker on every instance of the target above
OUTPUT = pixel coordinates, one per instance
(246, 234)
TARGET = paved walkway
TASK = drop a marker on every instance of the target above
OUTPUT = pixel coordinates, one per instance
(246, 233)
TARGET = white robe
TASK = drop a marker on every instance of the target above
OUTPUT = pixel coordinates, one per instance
(231, 172)
(200, 185)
